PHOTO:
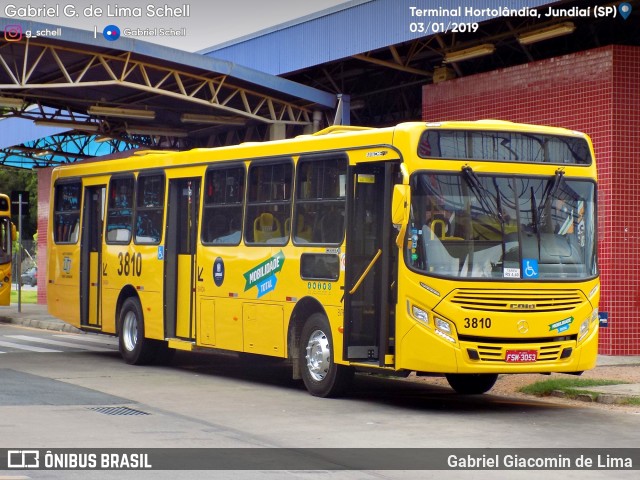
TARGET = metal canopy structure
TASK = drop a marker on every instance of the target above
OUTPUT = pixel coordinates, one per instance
(139, 95)
(386, 69)
(174, 99)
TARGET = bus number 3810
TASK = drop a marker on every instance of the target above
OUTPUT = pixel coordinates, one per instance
(129, 264)
(477, 322)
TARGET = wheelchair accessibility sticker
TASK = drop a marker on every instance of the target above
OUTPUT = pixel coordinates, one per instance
(530, 268)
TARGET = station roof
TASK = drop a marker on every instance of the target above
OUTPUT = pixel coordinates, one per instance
(83, 86)
(366, 48)
(375, 51)
(354, 28)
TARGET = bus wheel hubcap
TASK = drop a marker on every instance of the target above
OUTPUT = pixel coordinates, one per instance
(318, 355)
(130, 331)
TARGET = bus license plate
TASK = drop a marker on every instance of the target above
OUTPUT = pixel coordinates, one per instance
(521, 356)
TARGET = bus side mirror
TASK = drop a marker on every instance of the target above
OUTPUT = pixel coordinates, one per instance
(400, 204)
(14, 233)
(400, 210)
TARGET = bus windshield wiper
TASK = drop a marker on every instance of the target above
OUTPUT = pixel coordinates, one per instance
(482, 194)
(550, 191)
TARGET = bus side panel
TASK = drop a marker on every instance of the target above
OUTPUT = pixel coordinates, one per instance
(233, 313)
(220, 301)
(228, 324)
(263, 327)
(137, 267)
(151, 302)
(63, 288)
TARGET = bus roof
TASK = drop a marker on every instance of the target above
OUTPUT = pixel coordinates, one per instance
(336, 137)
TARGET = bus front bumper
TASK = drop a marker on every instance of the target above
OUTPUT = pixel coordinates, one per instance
(422, 351)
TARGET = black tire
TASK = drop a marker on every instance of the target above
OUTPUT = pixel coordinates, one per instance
(321, 375)
(472, 383)
(134, 347)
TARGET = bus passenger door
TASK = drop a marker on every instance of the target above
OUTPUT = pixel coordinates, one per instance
(180, 251)
(369, 260)
(91, 256)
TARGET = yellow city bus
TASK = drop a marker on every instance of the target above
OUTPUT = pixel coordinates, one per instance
(7, 235)
(466, 249)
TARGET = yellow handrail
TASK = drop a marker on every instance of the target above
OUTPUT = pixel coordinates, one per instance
(364, 274)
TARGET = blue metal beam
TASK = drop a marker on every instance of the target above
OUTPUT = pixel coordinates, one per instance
(187, 59)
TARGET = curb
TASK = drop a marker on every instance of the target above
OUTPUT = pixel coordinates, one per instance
(591, 397)
(41, 324)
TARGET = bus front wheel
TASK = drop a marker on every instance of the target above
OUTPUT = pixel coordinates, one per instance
(133, 346)
(471, 383)
(321, 375)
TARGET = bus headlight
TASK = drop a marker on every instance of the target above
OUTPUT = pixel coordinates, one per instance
(444, 329)
(420, 314)
(584, 326)
(584, 329)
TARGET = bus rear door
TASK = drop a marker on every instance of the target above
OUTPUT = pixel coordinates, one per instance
(91, 267)
(180, 251)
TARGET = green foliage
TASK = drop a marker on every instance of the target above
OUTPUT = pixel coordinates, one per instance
(22, 179)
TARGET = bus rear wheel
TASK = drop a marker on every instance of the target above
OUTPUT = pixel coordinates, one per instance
(321, 375)
(133, 346)
(471, 383)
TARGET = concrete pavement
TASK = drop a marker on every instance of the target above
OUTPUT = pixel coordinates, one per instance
(37, 316)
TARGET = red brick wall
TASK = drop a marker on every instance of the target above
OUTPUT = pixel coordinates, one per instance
(596, 92)
(44, 182)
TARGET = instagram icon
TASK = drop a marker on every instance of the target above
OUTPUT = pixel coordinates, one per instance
(13, 33)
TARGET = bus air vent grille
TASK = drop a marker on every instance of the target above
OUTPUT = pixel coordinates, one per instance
(516, 300)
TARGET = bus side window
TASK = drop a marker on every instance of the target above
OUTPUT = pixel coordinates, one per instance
(269, 205)
(149, 209)
(320, 199)
(66, 216)
(120, 210)
(223, 198)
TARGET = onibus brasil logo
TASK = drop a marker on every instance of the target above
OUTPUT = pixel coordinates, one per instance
(263, 276)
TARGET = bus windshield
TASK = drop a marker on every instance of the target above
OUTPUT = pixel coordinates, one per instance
(465, 225)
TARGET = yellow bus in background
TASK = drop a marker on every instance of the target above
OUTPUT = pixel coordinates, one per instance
(459, 248)
(7, 235)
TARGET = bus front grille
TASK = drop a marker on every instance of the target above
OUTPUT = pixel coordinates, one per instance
(516, 300)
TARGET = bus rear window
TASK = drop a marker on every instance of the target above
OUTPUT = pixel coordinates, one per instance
(504, 146)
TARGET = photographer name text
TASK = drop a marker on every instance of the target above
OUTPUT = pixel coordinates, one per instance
(93, 11)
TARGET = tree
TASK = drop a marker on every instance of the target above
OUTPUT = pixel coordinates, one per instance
(12, 179)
